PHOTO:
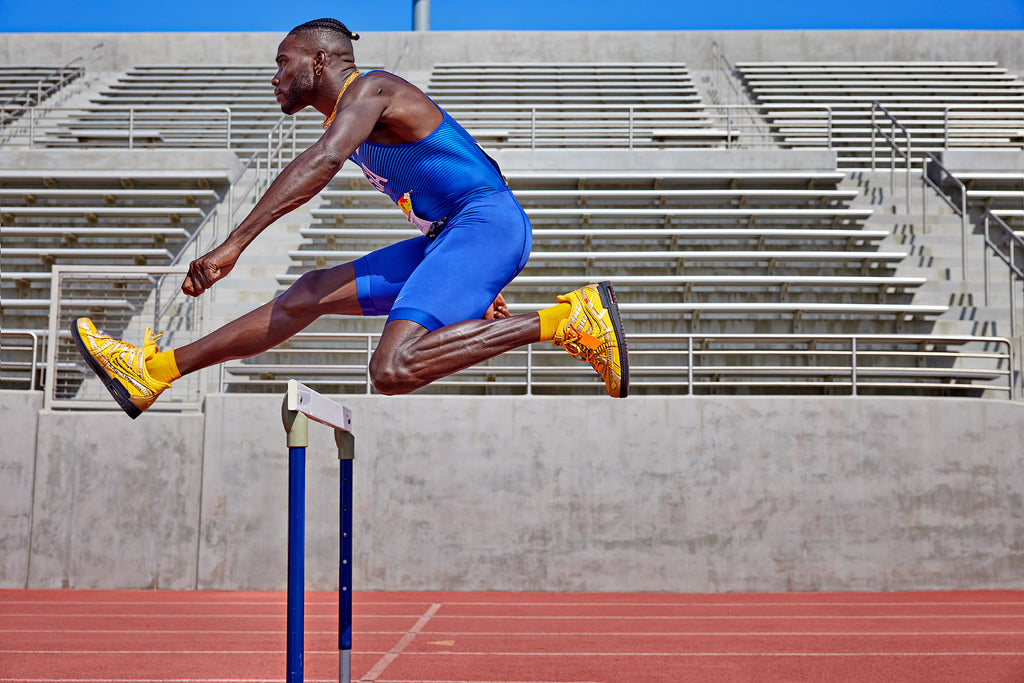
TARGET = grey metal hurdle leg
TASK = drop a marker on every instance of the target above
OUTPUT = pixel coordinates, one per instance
(301, 402)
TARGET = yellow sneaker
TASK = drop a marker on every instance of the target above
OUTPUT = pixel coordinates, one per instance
(593, 332)
(121, 366)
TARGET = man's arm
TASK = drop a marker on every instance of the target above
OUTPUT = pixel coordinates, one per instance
(300, 181)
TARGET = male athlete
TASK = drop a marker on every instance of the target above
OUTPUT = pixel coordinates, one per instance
(441, 291)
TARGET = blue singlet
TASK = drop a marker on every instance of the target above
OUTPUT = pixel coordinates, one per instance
(485, 243)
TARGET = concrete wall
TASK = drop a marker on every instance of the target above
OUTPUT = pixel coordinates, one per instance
(418, 51)
(589, 494)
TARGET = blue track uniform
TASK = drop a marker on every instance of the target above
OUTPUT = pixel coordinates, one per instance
(479, 236)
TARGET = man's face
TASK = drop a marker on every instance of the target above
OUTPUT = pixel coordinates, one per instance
(293, 82)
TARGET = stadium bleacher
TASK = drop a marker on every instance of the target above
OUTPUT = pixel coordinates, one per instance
(191, 105)
(942, 104)
(91, 218)
(576, 105)
(25, 86)
(695, 252)
(820, 399)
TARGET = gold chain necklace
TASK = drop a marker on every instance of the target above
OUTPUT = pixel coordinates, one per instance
(348, 81)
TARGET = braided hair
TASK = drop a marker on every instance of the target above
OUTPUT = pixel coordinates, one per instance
(330, 25)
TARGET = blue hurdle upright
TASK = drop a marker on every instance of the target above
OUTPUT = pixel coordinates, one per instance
(301, 402)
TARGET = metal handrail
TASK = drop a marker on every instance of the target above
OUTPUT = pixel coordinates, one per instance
(62, 80)
(686, 348)
(34, 336)
(254, 162)
(212, 218)
(1001, 123)
(35, 113)
(724, 68)
(627, 123)
(276, 154)
(929, 160)
(771, 129)
(1010, 259)
(188, 319)
(893, 144)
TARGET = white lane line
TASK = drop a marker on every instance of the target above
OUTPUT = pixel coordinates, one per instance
(385, 661)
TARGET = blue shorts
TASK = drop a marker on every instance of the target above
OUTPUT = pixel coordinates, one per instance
(457, 276)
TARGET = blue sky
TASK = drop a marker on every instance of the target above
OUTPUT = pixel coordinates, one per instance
(396, 15)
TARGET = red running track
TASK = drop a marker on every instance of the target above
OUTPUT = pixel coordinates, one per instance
(239, 637)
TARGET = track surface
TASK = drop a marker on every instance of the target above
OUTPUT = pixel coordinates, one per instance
(225, 637)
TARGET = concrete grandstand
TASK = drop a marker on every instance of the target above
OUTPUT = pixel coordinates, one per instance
(817, 242)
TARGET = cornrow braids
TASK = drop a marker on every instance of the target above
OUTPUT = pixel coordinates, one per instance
(332, 25)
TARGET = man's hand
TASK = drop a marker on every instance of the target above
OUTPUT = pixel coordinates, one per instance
(499, 309)
(209, 268)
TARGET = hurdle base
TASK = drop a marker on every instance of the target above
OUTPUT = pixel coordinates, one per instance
(345, 666)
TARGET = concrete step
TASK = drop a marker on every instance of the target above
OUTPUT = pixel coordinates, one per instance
(932, 235)
(951, 326)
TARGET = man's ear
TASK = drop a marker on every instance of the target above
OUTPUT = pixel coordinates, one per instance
(319, 59)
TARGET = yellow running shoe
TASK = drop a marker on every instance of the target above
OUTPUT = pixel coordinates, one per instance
(593, 332)
(121, 366)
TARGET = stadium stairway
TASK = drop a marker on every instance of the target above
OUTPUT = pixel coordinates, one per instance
(934, 248)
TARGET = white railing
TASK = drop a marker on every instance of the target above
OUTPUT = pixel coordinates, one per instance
(890, 138)
(676, 364)
(123, 127)
(18, 371)
(122, 301)
(983, 126)
(1009, 248)
(47, 84)
(726, 73)
(931, 165)
(645, 126)
(244, 190)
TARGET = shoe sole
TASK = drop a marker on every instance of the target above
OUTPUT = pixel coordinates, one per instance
(607, 293)
(115, 388)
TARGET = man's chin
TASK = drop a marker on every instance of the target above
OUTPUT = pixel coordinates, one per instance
(291, 108)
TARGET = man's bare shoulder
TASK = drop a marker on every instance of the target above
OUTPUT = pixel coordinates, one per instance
(386, 81)
(408, 114)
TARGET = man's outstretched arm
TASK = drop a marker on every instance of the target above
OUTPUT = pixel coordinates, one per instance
(301, 180)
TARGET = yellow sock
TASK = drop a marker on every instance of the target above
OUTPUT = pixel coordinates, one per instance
(162, 367)
(549, 319)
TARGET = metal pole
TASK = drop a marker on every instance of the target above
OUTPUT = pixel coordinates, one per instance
(984, 262)
(873, 136)
(892, 157)
(909, 165)
(297, 426)
(421, 15)
(346, 455)
(963, 231)
(529, 369)
(924, 193)
(853, 365)
(945, 129)
(689, 364)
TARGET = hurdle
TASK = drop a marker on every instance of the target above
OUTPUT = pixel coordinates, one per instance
(300, 402)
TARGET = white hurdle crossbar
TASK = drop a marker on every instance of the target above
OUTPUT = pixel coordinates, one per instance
(301, 402)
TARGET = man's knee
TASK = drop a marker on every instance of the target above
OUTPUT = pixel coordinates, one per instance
(300, 300)
(390, 376)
